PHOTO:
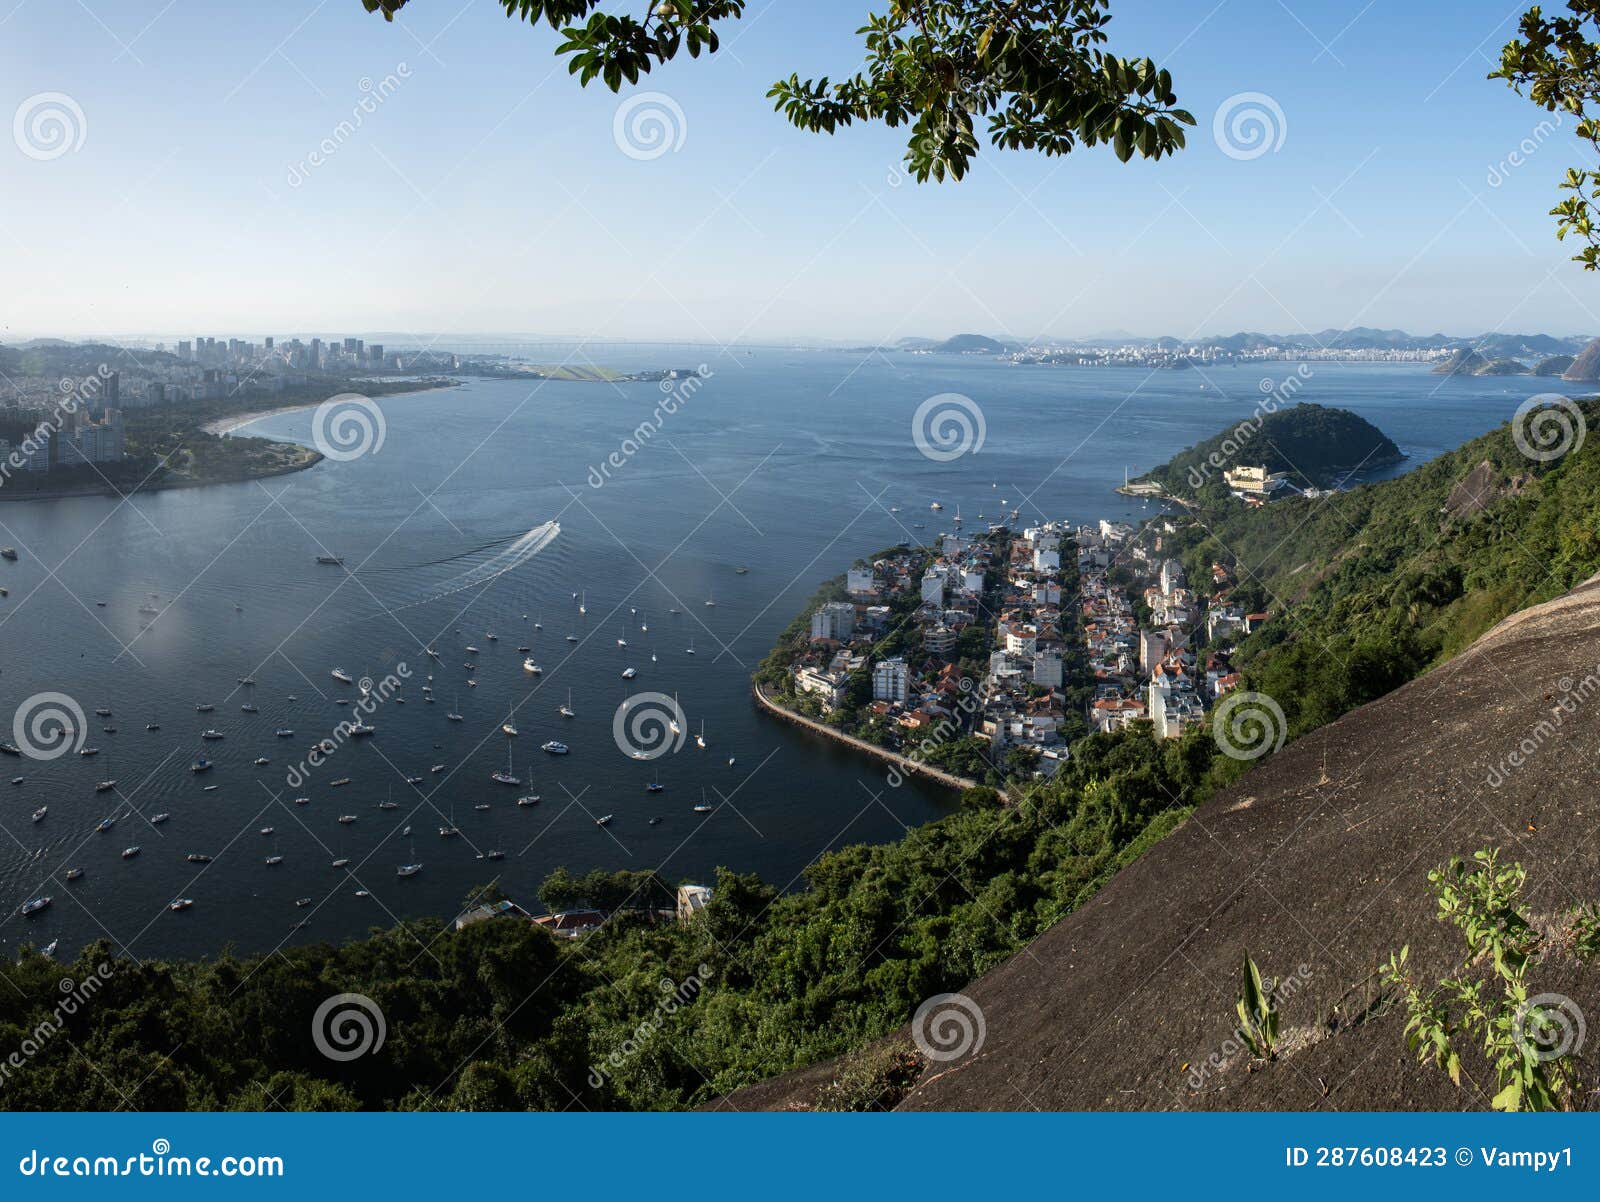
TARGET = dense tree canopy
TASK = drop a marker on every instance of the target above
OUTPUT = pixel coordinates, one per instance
(1034, 73)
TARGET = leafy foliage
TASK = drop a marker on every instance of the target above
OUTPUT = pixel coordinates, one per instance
(1557, 65)
(1035, 72)
(1494, 1008)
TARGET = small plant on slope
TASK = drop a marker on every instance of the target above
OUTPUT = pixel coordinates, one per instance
(1528, 1041)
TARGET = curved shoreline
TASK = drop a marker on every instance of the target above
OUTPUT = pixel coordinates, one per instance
(908, 767)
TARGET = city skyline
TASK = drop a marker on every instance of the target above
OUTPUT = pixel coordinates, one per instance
(321, 169)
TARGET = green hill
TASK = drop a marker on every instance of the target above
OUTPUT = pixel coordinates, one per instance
(1311, 444)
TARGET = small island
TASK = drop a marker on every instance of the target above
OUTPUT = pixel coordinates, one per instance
(1302, 451)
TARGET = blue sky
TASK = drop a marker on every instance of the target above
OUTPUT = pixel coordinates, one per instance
(487, 192)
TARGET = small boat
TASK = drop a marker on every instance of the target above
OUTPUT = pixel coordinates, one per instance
(532, 799)
(74, 873)
(509, 728)
(302, 902)
(38, 815)
(204, 708)
(604, 820)
(654, 786)
(655, 821)
(437, 768)
(50, 948)
(741, 570)
(201, 765)
(158, 819)
(273, 860)
(700, 739)
(346, 819)
(622, 642)
(582, 608)
(494, 855)
(8, 553)
(491, 636)
(936, 506)
(554, 747)
(267, 830)
(364, 893)
(10, 749)
(629, 673)
(471, 650)
(359, 730)
(689, 650)
(523, 650)
(37, 904)
(109, 730)
(711, 602)
(283, 732)
(249, 707)
(261, 760)
(449, 832)
(89, 751)
(195, 857)
(103, 712)
(507, 777)
(302, 801)
(342, 862)
(431, 652)
(413, 780)
(572, 638)
(129, 852)
(247, 680)
(705, 806)
(341, 676)
(403, 870)
(209, 789)
(181, 903)
(152, 726)
(482, 805)
(566, 711)
(105, 825)
(330, 560)
(334, 784)
(388, 805)
(17, 780)
(531, 668)
(212, 733)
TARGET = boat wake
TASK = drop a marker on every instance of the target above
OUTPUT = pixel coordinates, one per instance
(512, 555)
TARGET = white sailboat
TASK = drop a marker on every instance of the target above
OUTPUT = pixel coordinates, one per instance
(700, 739)
(566, 711)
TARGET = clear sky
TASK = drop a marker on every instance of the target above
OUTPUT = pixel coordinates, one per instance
(487, 192)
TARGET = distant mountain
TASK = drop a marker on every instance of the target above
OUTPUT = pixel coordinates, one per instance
(1492, 346)
(1587, 365)
(1553, 366)
(1468, 362)
(972, 344)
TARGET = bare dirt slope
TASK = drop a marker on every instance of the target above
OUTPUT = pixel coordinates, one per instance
(1315, 862)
